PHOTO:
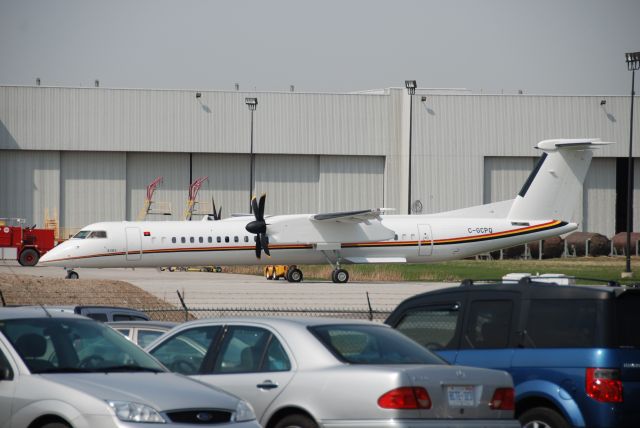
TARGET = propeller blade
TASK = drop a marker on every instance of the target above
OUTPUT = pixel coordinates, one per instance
(264, 240)
(219, 215)
(254, 206)
(258, 247)
(260, 212)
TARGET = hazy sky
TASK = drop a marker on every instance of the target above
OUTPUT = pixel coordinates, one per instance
(538, 46)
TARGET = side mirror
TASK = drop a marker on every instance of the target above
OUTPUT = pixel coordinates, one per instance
(5, 373)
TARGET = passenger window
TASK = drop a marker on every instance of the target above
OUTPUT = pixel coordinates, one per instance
(191, 239)
(433, 327)
(395, 237)
(173, 239)
(246, 239)
(98, 317)
(561, 324)
(183, 240)
(226, 239)
(489, 324)
(242, 350)
(201, 239)
(276, 360)
(235, 239)
(218, 240)
(209, 239)
(185, 352)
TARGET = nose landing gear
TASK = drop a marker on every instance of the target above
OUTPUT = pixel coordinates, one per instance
(72, 274)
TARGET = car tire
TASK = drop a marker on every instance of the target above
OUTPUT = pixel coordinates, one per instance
(542, 417)
(296, 421)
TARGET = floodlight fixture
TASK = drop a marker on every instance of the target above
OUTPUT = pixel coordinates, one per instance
(633, 60)
(411, 86)
(252, 103)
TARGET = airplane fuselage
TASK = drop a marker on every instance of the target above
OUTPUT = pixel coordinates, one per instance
(416, 239)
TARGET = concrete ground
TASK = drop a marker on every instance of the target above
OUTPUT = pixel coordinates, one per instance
(208, 290)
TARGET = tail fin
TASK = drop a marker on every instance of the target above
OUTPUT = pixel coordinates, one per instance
(555, 184)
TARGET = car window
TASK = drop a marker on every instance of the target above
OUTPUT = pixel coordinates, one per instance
(488, 325)
(371, 344)
(561, 323)
(242, 350)
(185, 351)
(627, 314)
(276, 360)
(97, 316)
(145, 337)
(49, 345)
(433, 327)
(4, 365)
(124, 331)
(128, 317)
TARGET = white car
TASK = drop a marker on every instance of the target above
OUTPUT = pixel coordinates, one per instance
(60, 370)
(311, 373)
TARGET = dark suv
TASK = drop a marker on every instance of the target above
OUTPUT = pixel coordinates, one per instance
(573, 351)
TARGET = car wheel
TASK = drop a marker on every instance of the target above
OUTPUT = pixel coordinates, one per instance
(542, 417)
(296, 421)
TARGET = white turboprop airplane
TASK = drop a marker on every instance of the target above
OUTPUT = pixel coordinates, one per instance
(540, 210)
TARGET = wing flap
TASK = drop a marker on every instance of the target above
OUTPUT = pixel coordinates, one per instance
(360, 216)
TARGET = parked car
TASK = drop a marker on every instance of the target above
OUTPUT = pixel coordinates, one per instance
(101, 313)
(573, 351)
(60, 370)
(308, 373)
(142, 332)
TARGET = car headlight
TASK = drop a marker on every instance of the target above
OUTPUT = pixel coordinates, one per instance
(128, 411)
(244, 412)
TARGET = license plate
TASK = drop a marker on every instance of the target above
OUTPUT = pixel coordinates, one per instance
(461, 396)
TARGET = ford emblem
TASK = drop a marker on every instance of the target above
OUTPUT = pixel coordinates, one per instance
(204, 416)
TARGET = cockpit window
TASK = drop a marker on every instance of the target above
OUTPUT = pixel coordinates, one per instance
(82, 234)
(97, 234)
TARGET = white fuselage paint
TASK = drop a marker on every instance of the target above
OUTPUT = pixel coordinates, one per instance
(414, 239)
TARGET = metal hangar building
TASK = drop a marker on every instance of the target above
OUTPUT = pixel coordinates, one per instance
(88, 154)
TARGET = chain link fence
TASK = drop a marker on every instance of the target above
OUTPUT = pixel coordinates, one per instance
(187, 314)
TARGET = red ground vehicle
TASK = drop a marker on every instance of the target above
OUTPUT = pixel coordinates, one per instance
(29, 243)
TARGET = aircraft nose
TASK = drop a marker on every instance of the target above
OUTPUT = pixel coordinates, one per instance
(56, 254)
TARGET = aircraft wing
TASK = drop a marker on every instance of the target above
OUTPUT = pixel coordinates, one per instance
(361, 216)
(329, 228)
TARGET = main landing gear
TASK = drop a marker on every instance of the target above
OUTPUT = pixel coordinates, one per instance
(338, 275)
(72, 274)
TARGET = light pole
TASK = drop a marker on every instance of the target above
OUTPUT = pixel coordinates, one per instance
(252, 103)
(633, 63)
(411, 86)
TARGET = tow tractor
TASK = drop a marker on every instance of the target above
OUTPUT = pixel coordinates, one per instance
(290, 273)
(23, 243)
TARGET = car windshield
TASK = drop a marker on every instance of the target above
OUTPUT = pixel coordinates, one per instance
(63, 345)
(372, 344)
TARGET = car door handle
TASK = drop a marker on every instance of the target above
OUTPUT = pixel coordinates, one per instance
(267, 384)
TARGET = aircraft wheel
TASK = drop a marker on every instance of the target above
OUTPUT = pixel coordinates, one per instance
(294, 275)
(340, 276)
(72, 274)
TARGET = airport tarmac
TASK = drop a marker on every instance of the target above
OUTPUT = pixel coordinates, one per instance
(225, 290)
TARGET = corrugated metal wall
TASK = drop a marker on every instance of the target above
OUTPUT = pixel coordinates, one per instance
(351, 183)
(29, 185)
(504, 177)
(170, 196)
(332, 151)
(93, 188)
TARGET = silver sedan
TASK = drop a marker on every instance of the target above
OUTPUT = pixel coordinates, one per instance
(62, 370)
(311, 373)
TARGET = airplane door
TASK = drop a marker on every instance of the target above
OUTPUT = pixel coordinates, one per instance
(134, 244)
(425, 240)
